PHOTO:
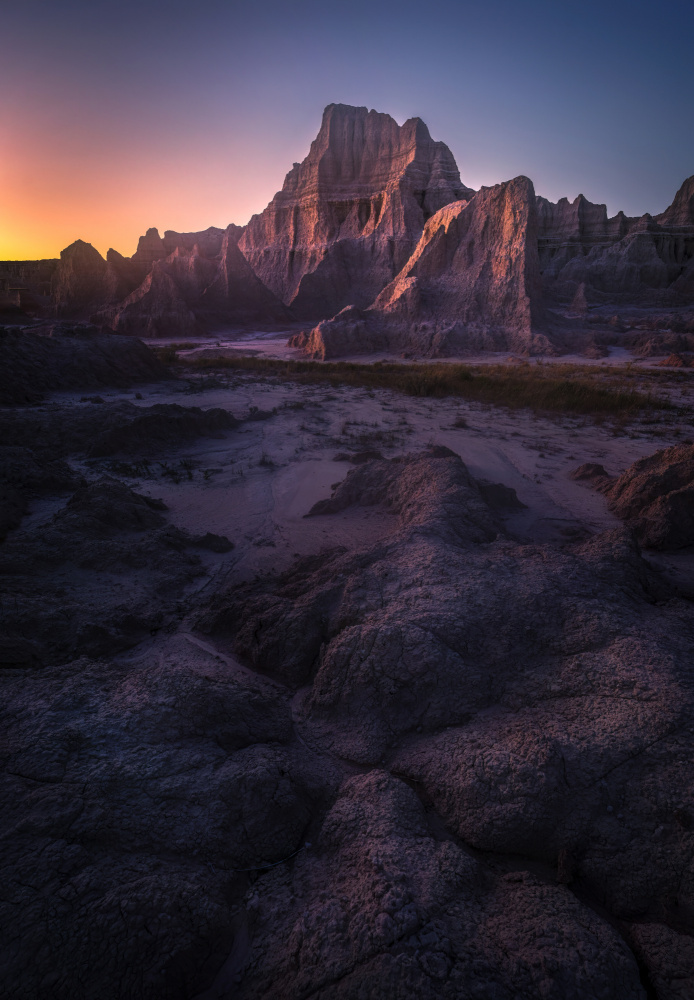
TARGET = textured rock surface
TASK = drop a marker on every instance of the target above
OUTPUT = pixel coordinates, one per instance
(472, 283)
(236, 293)
(70, 358)
(646, 260)
(188, 290)
(79, 283)
(349, 216)
(539, 698)
(465, 771)
(654, 496)
(384, 909)
(110, 428)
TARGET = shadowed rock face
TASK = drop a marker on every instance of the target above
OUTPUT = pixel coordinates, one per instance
(646, 260)
(69, 358)
(349, 216)
(447, 712)
(187, 290)
(79, 283)
(473, 282)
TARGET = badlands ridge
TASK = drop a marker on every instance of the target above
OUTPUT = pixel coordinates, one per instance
(376, 244)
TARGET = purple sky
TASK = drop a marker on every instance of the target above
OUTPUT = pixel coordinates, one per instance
(119, 116)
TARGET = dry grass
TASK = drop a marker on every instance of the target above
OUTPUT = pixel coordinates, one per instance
(542, 388)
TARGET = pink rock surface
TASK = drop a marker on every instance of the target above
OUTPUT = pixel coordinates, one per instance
(349, 216)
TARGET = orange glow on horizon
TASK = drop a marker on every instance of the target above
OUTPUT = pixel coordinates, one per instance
(54, 193)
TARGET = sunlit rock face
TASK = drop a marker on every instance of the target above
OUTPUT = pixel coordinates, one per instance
(473, 281)
(349, 216)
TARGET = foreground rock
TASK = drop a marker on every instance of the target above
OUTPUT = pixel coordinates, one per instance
(96, 431)
(103, 572)
(446, 764)
(538, 697)
(655, 496)
(349, 216)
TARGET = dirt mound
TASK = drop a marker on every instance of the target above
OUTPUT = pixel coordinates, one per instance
(111, 428)
(71, 358)
(675, 361)
(24, 475)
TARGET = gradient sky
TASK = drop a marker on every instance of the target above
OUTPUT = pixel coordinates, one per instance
(116, 116)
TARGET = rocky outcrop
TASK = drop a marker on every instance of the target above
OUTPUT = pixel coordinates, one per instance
(70, 358)
(654, 496)
(79, 283)
(111, 429)
(150, 247)
(681, 211)
(236, 293)
(156, 309)
(472, 283)
(646, 261)
(186, 292)
(536, 697)
(208, 242)
(450, 764)
(349, 216)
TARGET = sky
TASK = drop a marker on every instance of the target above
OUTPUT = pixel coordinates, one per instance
(118, 116)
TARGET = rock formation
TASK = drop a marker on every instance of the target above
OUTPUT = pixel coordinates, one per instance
(236, 292)
(376, 221)
(186, 292)
(349, 216)
(79, 284)
(473, 282)
(644, 261)
(208, 242)
(655, 496)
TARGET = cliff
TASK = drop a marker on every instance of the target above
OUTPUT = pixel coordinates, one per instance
(472, 283)
(349, 216)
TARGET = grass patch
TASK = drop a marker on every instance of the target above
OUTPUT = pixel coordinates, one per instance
(542, 388)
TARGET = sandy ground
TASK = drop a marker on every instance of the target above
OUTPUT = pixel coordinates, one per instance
(256, 484)
(274, 345)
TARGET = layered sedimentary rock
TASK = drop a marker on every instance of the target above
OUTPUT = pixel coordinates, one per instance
(349, 216)
(473, 282)
(187, 291)
(25, 288)
(236, 291)
(208, 242)
(645, 261)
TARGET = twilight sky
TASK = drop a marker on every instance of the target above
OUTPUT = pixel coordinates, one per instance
(117, 115)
